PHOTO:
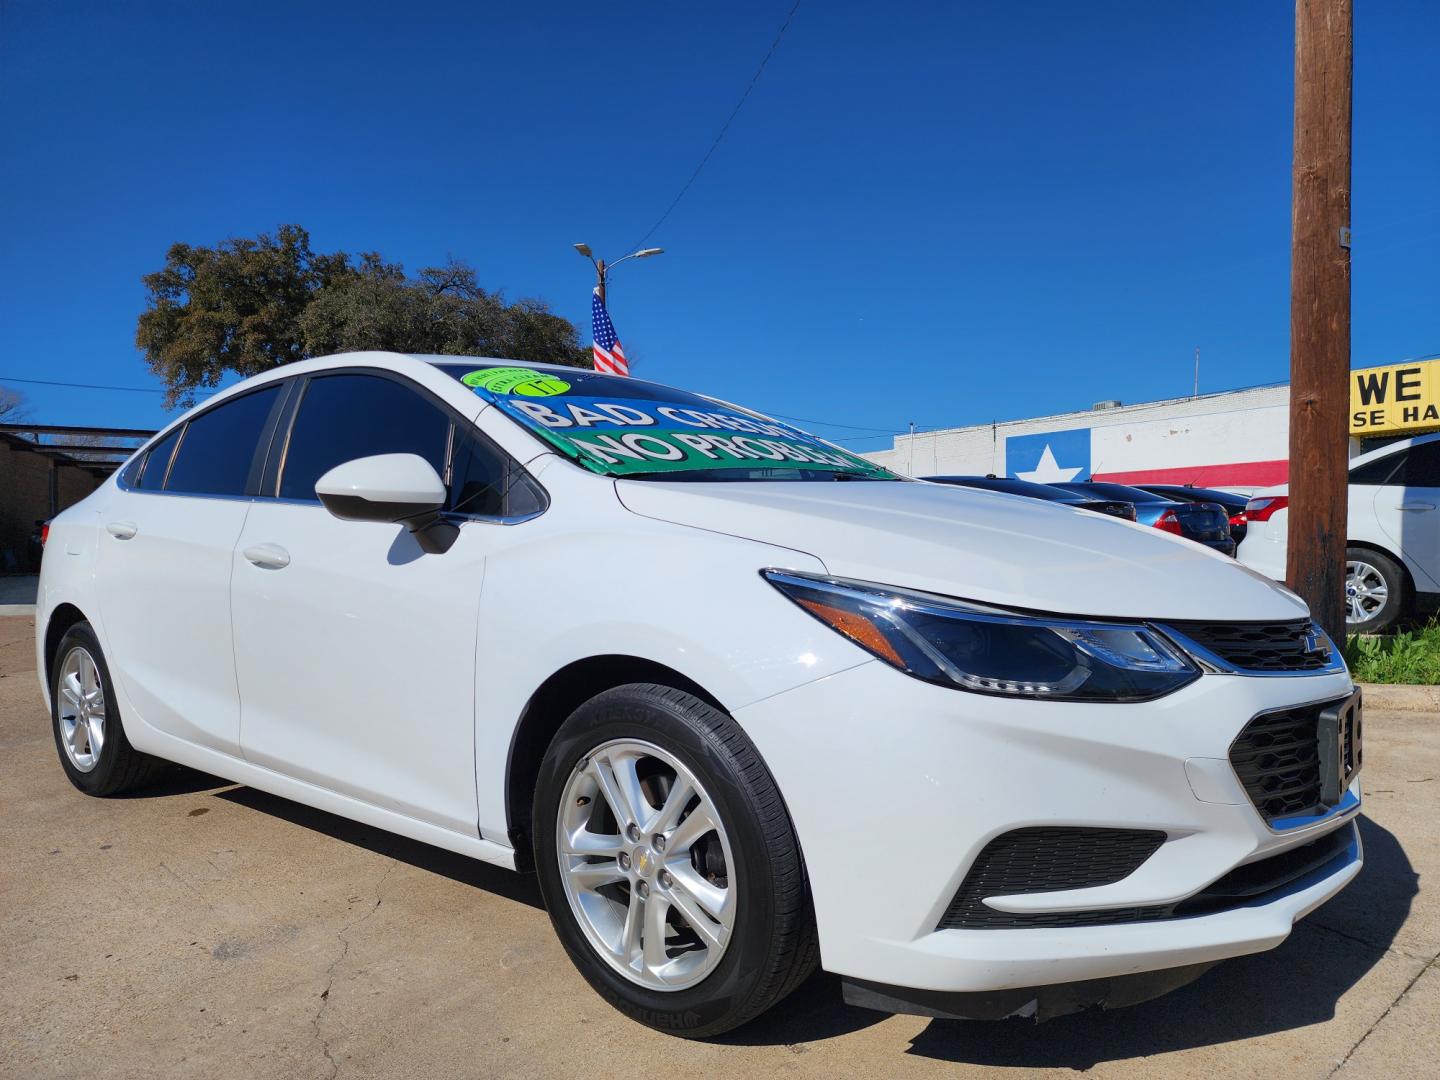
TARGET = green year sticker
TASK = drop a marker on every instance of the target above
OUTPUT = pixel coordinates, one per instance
(515, 380)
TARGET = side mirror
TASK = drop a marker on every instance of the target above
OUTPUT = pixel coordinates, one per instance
(391, 488)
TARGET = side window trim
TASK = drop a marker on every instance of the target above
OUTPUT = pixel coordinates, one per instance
(265, 445)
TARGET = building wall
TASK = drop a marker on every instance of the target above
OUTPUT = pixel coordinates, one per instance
(1237, 439)
(25, 498)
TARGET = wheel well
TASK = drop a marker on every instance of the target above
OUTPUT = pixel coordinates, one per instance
(559, 696)
(61, 619)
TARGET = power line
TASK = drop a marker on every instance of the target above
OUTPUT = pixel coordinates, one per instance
(828, 423)
(94, 386)
(724, 128)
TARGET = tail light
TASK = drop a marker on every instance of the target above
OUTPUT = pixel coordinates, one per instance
(44, 533)
(1239, 521)
(1262, 508)
(1168, 522)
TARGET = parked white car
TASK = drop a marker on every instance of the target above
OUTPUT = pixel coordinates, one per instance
(1392, 547)
(746, 702)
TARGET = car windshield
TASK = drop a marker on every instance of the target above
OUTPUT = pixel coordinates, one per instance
(645, 431)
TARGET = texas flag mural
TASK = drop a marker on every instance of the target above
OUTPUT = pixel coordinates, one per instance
(1051, 457)
(1232, 448)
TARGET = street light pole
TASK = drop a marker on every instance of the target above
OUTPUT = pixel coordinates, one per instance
(602, 268)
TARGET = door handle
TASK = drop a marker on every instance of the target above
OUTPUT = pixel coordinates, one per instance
(268, 556)
(1417, 506)
(121, 530)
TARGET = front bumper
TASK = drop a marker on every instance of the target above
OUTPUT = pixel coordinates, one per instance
(895, 786)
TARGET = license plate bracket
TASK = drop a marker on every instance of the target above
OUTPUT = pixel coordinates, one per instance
(1339, 734)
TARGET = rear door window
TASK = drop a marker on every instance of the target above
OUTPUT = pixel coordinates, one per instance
(348, 416)
(149, 473)
(218, 448)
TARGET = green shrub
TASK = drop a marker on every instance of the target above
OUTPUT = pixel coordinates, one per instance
(1411, 656)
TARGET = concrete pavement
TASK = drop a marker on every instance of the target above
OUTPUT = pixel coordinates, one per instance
(17, 594)
(208, 930)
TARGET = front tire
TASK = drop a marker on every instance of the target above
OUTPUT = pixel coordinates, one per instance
(85, 718)
(1374, 591)
(668, 862)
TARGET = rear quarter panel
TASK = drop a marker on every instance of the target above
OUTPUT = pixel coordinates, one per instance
(67, 571)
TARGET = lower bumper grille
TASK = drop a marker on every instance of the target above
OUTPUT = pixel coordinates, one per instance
(1251, 883)
(1045, 859)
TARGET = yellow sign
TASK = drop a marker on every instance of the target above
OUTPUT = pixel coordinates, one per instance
(1395, 399)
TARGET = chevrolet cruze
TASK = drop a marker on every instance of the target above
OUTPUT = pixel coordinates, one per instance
(745, 702)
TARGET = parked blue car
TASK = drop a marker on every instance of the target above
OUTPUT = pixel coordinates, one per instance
(1204, 522)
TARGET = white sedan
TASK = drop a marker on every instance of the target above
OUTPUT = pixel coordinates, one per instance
(746, 702)
(1392, 546)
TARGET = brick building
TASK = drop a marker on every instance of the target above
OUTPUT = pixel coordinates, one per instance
(36, 484)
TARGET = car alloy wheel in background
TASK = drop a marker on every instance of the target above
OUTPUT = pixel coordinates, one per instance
(1374, 591)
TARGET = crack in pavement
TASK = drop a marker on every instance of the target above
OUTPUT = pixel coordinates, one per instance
(341, 934)
(1313, 925)
(1381, 1018)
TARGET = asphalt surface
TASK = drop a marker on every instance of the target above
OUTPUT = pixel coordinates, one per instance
(209, 930)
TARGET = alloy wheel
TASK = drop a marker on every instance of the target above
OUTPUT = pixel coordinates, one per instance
(1366, 591)
(646, 864)
(81, 709)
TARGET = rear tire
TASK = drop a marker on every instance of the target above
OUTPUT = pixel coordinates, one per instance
(1375, 591)
(647, 741)
(85, 719)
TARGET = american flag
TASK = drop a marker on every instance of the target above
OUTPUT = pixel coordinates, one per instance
(609, 356)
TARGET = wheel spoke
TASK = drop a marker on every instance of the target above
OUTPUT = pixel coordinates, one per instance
(656, 907)
(71, 690)
(692, 828)
(592, 875)
(584, 842)
(681, 792)
(613, 791)
(95, 734)
(79, 737)
(711, 932)
(711, 897)
(630, 935)
(628, 779)
(88, 674)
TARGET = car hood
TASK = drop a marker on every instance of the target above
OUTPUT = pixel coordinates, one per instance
(977, 545)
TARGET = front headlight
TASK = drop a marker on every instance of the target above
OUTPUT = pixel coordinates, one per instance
(991, 651)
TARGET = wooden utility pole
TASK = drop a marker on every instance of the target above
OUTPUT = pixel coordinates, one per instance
(1320, 310)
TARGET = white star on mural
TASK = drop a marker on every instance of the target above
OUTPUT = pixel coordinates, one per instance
(1048, 470)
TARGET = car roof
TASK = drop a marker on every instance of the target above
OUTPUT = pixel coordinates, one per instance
(1010, 485)
(1202, 493)
(1126, 492)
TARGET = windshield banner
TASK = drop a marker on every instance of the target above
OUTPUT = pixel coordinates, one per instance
(642, 436)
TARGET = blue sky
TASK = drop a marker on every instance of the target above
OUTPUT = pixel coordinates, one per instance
(938, 213)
